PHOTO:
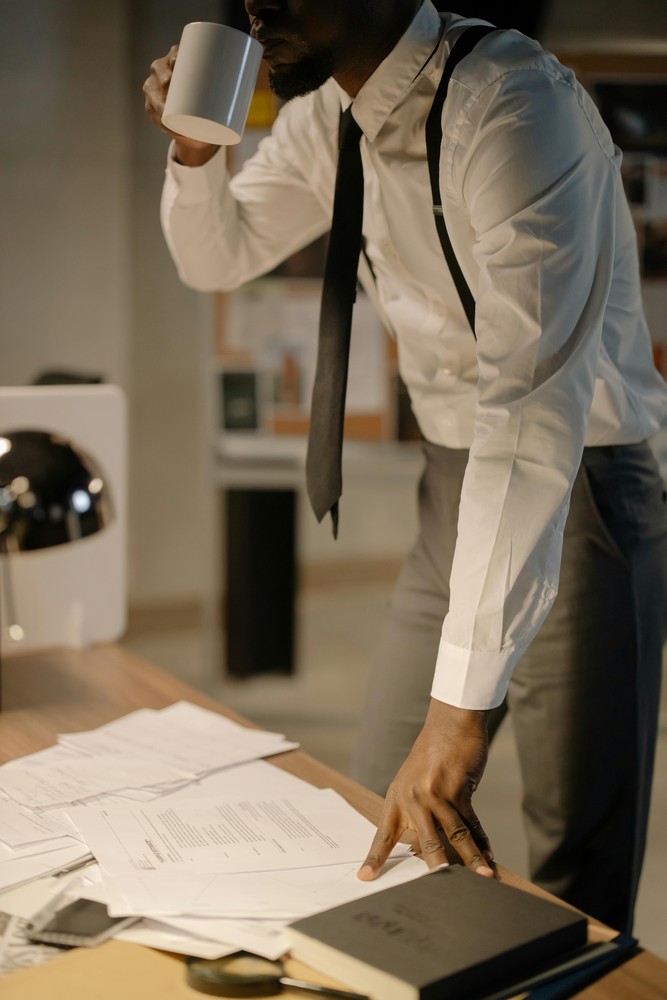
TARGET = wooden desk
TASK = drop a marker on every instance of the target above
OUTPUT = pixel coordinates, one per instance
(48, 693)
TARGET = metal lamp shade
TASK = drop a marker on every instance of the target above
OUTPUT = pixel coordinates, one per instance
(50, 492)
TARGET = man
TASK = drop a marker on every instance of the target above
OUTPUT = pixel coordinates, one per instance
(547, 411)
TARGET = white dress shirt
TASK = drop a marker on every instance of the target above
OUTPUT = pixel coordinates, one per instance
(535, 209)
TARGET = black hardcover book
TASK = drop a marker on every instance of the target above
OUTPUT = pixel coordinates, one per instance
(448, 935)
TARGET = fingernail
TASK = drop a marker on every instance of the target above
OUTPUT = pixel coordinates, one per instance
(366, 872)
(438, 868)
(483, 870)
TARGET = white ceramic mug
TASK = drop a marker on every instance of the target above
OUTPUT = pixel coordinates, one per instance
(212, 83)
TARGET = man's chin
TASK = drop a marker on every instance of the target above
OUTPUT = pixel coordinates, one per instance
(297, 79)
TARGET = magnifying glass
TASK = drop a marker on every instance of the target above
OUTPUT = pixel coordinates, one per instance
(246, 975)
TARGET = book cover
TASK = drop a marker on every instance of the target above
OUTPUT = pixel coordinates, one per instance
(449, 934)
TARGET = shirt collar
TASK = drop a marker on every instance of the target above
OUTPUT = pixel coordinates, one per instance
(397, 73)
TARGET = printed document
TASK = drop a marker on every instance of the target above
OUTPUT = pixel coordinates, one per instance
(263, 834)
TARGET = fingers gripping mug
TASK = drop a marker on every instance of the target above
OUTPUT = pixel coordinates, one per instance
(212, 84)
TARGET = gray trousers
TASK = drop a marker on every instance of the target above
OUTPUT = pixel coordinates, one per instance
(584, 698)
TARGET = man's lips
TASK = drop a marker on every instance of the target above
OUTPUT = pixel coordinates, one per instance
(272, 44)
(272, 40)
(264, 34)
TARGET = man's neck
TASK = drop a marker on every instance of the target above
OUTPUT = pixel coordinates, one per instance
(363, 63)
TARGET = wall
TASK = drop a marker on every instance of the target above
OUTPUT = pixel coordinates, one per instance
(86, 283)
(605, 26)
(64, 147)
(173, 516)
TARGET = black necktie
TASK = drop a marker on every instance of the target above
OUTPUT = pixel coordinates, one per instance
(327, 413)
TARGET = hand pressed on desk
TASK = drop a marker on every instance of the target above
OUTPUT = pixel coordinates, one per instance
(432, 793)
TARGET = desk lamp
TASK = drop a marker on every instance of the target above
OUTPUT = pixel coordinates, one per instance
(51, 493)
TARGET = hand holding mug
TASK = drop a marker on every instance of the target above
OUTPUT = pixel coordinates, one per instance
(192, 152)
(200, 92)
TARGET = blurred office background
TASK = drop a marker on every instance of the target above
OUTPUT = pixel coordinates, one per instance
(87, 286)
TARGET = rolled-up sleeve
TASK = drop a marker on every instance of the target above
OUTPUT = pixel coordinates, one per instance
(223, 231)
(538, 178)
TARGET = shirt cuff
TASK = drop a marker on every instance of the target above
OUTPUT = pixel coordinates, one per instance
(192, 185)
(467, 678)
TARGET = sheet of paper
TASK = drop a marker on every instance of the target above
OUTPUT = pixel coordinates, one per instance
(251, 780)
(277, 895)
(50, 755)
(153, 934)
(249, 896)
(8, 854)
(225, 835)
(331, 886)
(21, 870)
(48, 785)
(141, 794)
(262, 937)
(189, 738)
(336, 884)
(20, 826)
(60, 815)
(27, 899)
(199, 719)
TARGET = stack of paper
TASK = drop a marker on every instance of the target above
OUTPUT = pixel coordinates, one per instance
(213, 847)
(32, 845)
(142, 756)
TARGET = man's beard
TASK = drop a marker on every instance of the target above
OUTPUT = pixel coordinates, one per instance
(301, 77)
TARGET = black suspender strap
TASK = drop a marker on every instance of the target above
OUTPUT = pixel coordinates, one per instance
(463, 45)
